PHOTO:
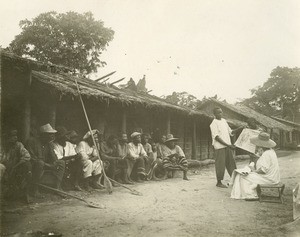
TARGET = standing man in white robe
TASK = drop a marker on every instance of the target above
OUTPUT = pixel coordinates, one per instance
(220, 133)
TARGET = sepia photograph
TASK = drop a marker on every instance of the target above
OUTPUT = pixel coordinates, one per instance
(150, 118)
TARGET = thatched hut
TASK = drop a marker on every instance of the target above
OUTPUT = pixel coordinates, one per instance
(34, 93)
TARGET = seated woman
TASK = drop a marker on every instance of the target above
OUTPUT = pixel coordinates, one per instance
(173, 157)
(266, 172)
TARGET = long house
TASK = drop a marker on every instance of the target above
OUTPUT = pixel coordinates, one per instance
(34, 93)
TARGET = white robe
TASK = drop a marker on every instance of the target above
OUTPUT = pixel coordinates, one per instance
(244, 186)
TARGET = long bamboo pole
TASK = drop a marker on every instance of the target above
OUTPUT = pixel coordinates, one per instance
(107, 183)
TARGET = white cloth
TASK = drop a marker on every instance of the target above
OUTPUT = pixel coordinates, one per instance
(244, 186)
(86, 152)
(60, 151)
(136, 151)
(220, 128)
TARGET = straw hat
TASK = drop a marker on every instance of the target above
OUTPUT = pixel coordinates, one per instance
(170, 137)
(133, 135)
(263, 140)
(47, 129)
(88, 134)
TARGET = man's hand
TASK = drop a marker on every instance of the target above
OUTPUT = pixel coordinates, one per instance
(94, 158)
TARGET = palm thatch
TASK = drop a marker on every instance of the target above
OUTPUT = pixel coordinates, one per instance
(58, 78)
(64, 84)
(287, 122)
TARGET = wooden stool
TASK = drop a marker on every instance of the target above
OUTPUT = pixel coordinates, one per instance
(268, 198)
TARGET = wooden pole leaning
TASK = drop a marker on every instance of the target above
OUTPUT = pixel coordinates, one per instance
(107, 183)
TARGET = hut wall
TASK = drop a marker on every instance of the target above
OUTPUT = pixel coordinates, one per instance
(14, 80)
(204, 139)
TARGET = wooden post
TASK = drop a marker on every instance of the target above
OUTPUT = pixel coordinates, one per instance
(194, 140)
(27, 110)
(168, 123)
(0, 104)
(271, 133)
(284, 138)
(208, 150)
(291, 136)
(52, 112)
(124, 119)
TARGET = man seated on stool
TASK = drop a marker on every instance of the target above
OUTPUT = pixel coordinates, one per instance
(173, 157)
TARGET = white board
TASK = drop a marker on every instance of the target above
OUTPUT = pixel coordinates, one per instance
(243, 140)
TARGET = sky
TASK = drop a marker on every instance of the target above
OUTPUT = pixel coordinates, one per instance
(203, 47)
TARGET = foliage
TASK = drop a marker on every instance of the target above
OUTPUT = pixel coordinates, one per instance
(70, 39)
(280, 93)
(183, 99)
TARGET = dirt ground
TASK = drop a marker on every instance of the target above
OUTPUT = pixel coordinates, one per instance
(173, 207)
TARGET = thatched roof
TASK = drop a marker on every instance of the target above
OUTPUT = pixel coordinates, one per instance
(33, 64)
(61, 81)
(64, 84)
(290, 123)
(247, 112)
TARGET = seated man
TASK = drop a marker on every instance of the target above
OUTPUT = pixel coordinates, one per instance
(109, 153)
(173, 157)
(145, 142)
(89, 157)
(136, 157)
(43, 158)
(154, 163)
(123, 151)
(65, 150)
(148, 149)
(15, 165)
(266, 172)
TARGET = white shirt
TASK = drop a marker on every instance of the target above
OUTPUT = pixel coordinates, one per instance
(60, 151)
(221, 129)
(85, 151)
(136, 151)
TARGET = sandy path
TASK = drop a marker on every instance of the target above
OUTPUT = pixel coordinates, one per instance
(168, 208)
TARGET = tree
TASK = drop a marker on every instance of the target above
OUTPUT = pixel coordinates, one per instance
(183, 99)
(70, 39)
(279, 94)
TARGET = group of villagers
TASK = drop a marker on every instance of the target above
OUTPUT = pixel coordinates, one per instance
(55, 156)
(64, 160)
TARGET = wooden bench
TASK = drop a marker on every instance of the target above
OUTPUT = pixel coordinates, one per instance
(267, 198)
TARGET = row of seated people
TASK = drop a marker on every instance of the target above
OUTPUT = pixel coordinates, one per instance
(60, 153)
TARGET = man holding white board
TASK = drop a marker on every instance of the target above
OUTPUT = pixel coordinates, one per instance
(221, 133)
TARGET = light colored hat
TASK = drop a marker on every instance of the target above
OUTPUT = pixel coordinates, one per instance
(135, 134)
(88, 134)
(170, 137)
(263, 140)
(47, 129)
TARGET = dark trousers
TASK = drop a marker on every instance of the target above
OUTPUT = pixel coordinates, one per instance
(20, 175)
(38, 169)
(224, 159)
(115, 167)
(16, 181)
